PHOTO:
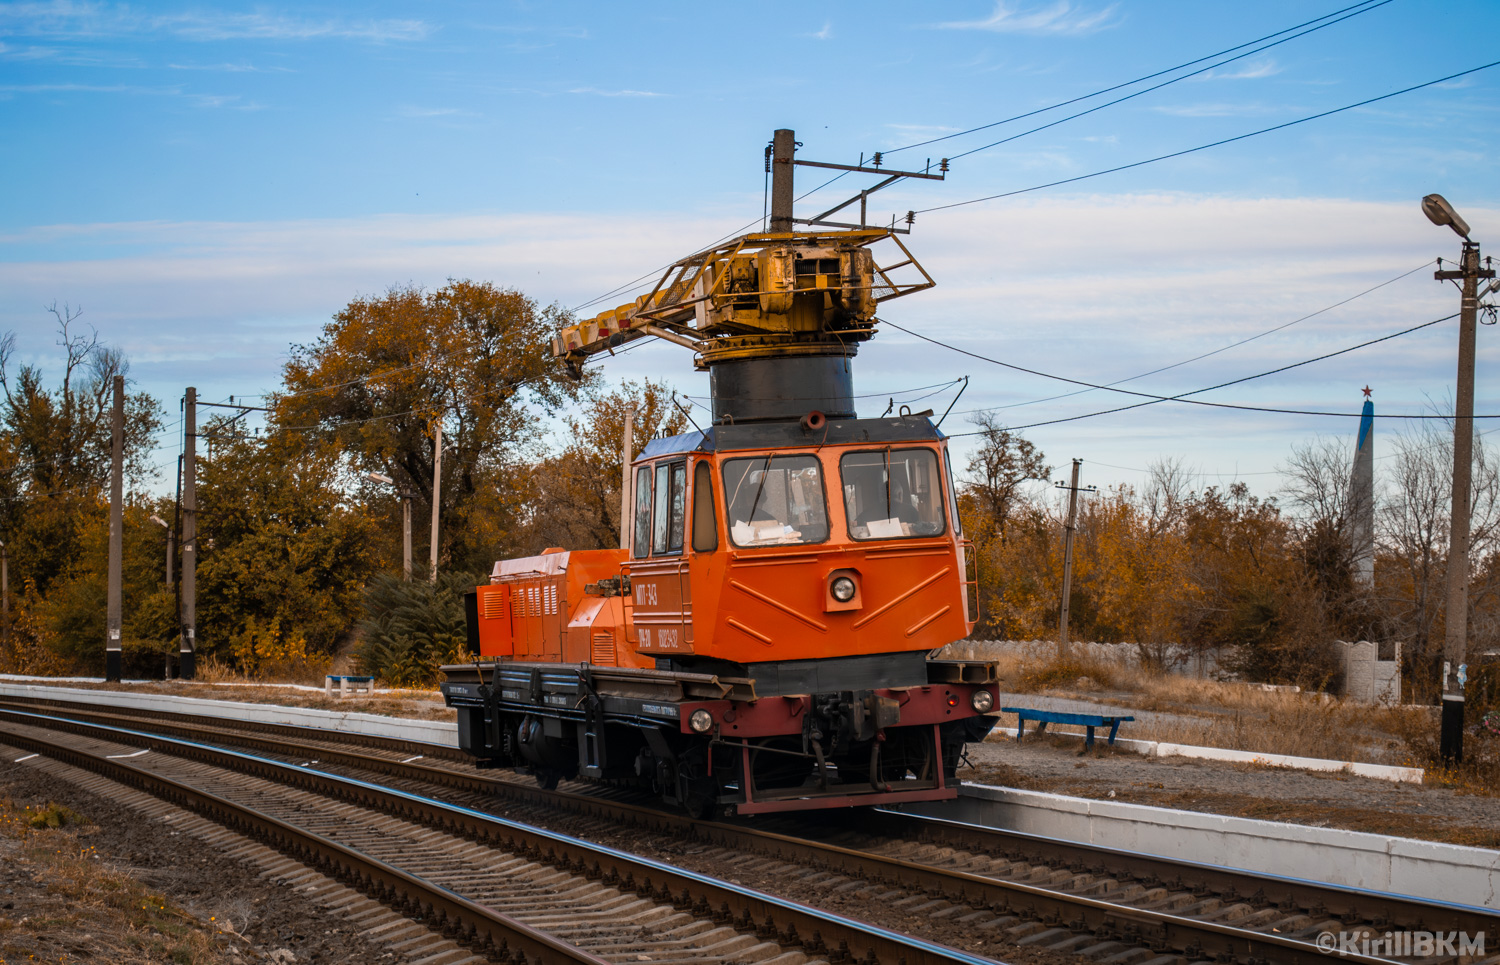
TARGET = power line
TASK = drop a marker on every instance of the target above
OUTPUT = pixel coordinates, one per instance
(1219, 143)
(1199, 358)
(1128, 83)
(1152, 399)
(1165, 83)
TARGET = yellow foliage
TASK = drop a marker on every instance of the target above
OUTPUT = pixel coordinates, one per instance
(266, 651)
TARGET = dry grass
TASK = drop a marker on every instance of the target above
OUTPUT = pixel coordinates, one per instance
(1233, 716)
(308, 672)
(69, 903)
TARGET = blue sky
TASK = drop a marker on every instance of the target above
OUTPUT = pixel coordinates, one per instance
(212, 182)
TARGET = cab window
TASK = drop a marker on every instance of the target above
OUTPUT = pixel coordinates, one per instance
(705, 526)
(891, 493)
(668, 509)
(958, 522)
(774, 500)
(642, 540)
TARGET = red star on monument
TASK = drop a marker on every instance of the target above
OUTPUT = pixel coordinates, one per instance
(1367, 391)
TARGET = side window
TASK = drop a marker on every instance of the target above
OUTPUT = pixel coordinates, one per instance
(642, 541)
(958, 523)
(659, 522)
(679, 508)
(705, 526)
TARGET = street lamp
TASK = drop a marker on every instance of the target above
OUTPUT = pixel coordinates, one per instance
(1456, 615)
(406, 497)
(171, 543)
(1440, 212)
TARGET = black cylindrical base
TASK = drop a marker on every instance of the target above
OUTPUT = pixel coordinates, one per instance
(782, 388)
(112, 666)
(185, 665)
(1451, 739)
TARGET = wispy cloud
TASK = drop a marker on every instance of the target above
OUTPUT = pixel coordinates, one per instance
(1061, 17)
(823, 34)
(599, 92)
(413, 111)
(233, 68)
(85, 89)
(1254, 70)
(239, 26)
(227, 101)
(80, 19)
(1213, 110)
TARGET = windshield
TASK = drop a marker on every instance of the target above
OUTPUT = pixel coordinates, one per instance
(775, 500)
(892, 493)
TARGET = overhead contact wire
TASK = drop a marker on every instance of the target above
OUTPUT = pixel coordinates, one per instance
(1219, 143)
(1130, 83)
(1152, 399)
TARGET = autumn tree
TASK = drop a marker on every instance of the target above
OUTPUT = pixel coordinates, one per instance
(283, 552)
(55, 448)
(472, 356)
(575, 500)
(998, 472)
(1411, 567)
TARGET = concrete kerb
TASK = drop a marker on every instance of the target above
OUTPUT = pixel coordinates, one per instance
(1380, 772)
(428, 731)
(1422, 869)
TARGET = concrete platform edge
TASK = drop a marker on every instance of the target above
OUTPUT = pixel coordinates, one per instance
(1422, 869)
(427, 731)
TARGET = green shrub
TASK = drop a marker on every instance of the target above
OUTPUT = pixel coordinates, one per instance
(410, 629)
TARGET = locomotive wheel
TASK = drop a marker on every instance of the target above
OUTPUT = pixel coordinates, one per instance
(546, 777)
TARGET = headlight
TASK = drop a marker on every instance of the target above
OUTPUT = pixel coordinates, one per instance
(701, 722)
(982, 701)
(842, 589)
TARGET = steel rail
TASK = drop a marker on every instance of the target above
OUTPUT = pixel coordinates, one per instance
(1158, 929)
(1386, 909)
(467, 921)
(820, 933)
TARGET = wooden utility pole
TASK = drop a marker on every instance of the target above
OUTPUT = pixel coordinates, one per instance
(406, 498)
(437, 492)
(627, 498)
(116, 527)
(1068, 530)
(188, 645)
(1456, 616)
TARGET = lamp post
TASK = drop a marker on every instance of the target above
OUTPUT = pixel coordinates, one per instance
(405, 495)
(1456, 614)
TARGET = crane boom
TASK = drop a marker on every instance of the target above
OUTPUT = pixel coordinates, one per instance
(762, 294)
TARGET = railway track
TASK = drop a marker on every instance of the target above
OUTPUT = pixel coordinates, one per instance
(515, 891)
(1090, 901)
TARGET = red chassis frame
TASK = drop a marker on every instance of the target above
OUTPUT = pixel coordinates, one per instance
(929, 705)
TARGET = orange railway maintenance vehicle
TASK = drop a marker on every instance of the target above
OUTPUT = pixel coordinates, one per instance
(762, 639)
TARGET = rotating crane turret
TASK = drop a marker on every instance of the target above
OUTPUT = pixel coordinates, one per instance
(774, 316)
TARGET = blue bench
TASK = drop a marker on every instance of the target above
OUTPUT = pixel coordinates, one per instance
(1045, 717)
